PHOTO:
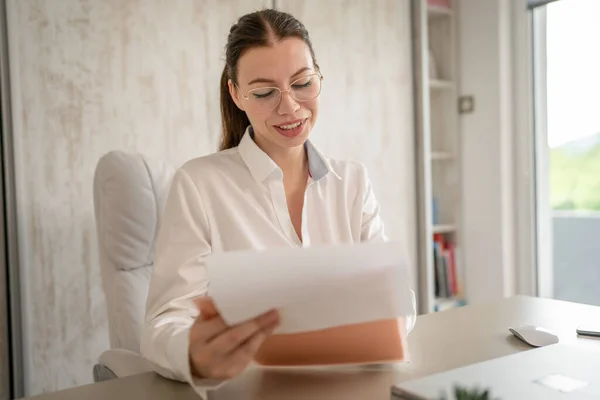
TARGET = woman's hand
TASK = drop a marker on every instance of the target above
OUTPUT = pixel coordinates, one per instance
(218, 351)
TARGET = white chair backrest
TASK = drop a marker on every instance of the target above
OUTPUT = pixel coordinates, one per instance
(130, 191)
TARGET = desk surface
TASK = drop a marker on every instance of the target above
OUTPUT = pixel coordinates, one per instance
(439, 342)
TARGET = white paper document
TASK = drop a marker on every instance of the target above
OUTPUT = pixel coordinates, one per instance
(313, 287)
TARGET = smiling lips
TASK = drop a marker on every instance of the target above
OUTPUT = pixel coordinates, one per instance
(291, 129)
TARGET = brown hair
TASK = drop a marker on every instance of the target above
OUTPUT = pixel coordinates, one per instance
(260, 28)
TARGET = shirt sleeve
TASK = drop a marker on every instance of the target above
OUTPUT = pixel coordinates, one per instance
(373, 231)
(179, 276)
(372, 228)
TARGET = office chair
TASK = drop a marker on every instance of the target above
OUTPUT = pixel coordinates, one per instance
(130, 191)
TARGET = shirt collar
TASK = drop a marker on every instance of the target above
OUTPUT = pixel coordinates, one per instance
(261, 165)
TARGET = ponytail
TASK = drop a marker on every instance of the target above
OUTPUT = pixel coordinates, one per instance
(234, 120)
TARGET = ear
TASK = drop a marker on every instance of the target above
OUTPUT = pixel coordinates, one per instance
(235, 95)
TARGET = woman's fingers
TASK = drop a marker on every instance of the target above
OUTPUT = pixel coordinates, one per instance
(237, 335)
(226, 338)
(207, 307)
(238, 360)
(209, 323)
(206, 331)
(251, 346)
(220, 351)
(244, 354)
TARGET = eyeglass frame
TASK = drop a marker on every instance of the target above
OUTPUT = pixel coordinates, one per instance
(245, 95)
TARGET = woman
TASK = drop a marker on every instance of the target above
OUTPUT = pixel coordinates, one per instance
(267, 187)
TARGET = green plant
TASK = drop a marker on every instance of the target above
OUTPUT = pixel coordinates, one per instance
(574, 177)
(462, 393)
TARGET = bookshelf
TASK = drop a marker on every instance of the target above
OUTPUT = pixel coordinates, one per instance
(440, 264)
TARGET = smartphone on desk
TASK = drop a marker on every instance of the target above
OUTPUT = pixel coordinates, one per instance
(589, 329)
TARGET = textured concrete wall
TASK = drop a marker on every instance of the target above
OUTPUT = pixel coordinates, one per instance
(89, 77)
(364, 51)
(93, 76)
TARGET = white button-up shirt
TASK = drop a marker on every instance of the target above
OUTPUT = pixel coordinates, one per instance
(235, 200)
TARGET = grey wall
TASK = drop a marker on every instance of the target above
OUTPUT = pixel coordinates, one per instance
(364, 51)
(93, 76)
(89, 77)
(487, 149)
(576, 262)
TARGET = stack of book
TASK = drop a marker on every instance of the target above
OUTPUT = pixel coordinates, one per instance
(447, 275)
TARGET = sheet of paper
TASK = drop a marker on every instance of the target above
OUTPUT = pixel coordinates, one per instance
(315, 287)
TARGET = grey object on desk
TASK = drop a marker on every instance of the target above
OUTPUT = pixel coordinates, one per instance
(535, 336)
(557, 372)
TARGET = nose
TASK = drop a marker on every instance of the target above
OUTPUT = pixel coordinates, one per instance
(287, 105)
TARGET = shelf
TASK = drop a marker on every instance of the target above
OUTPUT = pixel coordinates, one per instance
(441, 156)
(439, 144)
(440, 84)
(438, 11)
(447, 228)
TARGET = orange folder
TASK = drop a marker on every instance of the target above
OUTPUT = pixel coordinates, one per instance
(364, 343)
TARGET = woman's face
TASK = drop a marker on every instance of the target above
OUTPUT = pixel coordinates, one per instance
(286, 65)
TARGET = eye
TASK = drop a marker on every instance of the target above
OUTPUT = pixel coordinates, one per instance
(263, 93)
(303, 83)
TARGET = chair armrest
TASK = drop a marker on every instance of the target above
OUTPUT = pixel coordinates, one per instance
(121, 363)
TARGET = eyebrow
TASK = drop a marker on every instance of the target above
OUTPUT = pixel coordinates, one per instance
(263, 80)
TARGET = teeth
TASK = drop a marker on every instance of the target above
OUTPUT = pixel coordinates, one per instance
(291, 126)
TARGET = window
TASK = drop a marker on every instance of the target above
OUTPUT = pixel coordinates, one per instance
(567, 119)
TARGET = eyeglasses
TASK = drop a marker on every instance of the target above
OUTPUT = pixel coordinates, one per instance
(267, 98)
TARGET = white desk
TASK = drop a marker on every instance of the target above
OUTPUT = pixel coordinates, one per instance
(439, 342)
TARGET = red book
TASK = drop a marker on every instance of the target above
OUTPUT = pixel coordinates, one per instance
(452, 256)
(439, 238)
